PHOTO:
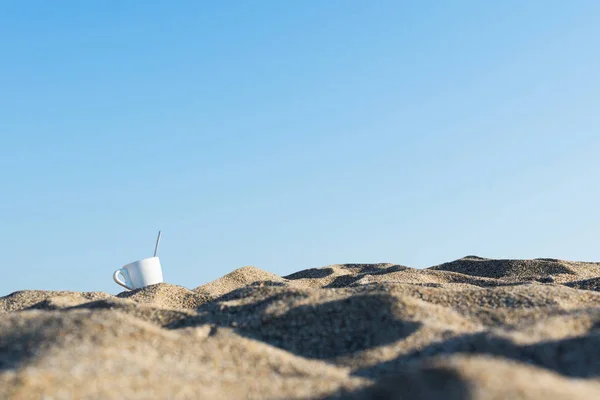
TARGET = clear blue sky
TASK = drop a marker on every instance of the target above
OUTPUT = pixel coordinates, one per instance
(293, 134)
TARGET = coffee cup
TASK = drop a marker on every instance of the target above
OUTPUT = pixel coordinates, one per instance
(139, 274)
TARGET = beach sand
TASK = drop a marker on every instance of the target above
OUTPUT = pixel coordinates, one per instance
(473, 328)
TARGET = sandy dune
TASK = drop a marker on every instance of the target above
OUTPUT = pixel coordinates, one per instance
(473, 328)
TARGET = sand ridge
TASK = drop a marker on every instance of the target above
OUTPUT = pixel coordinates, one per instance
(473, 328)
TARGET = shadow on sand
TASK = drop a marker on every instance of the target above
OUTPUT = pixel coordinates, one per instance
(321, 331)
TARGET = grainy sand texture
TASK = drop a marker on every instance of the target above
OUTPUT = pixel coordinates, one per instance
(473, 328)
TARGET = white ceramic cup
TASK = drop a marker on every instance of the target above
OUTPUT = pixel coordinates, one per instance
(139, 274)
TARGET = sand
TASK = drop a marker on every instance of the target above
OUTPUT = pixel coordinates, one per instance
(473, 328)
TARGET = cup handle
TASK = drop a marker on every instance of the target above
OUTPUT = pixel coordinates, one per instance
(125, 282)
